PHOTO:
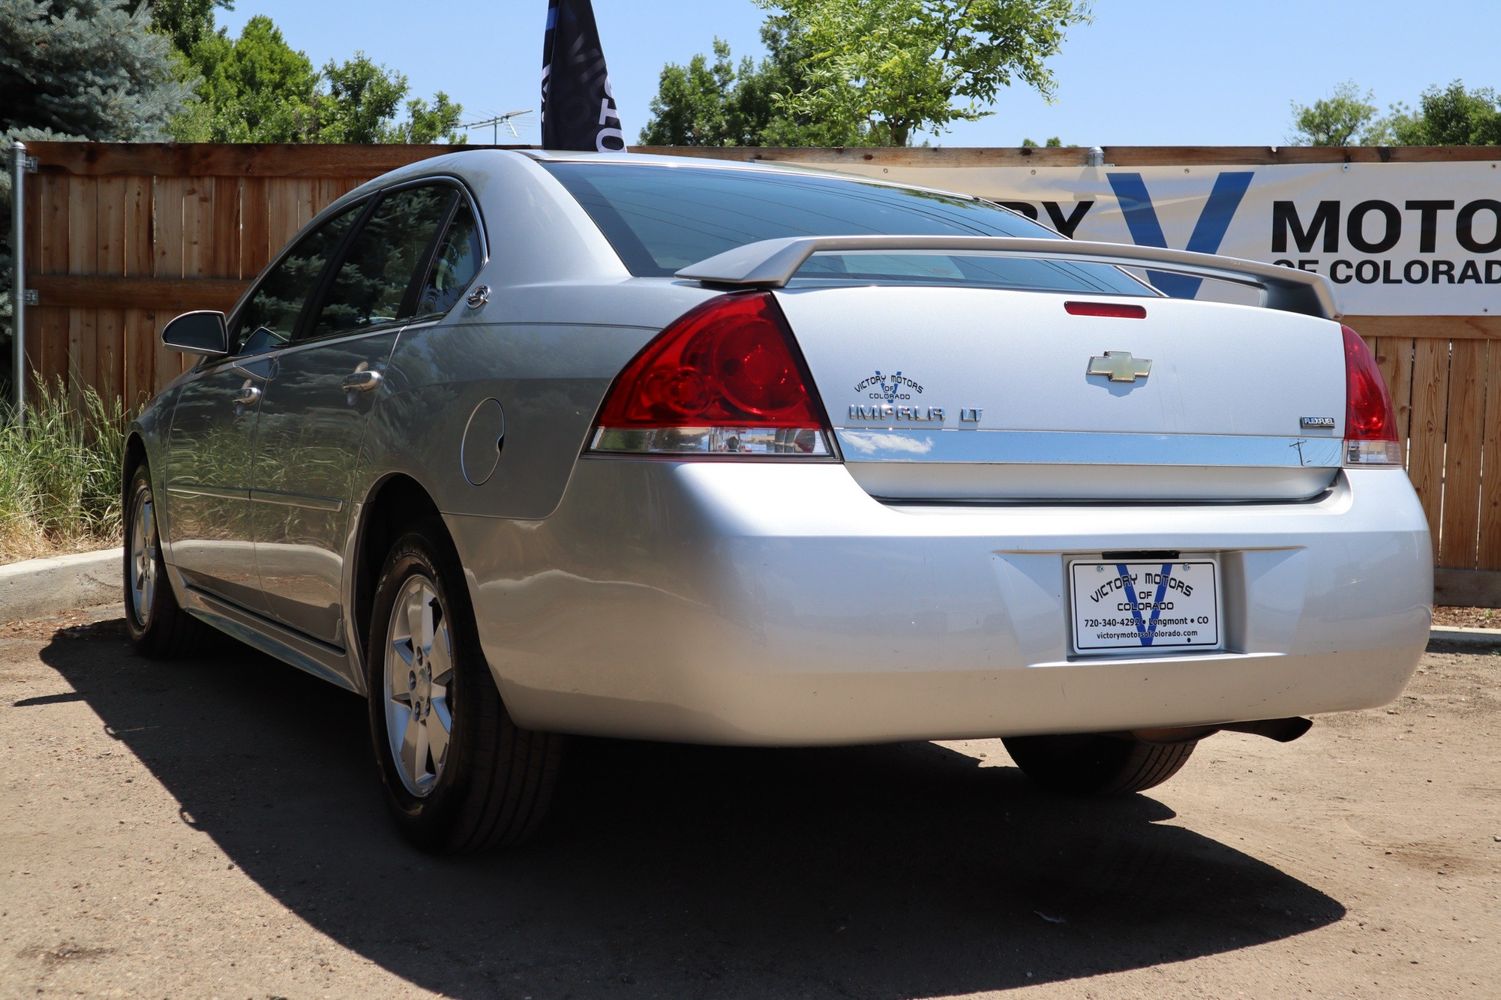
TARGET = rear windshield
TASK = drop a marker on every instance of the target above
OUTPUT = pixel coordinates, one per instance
(661, 219)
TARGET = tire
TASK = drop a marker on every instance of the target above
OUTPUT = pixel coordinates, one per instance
(491, 781)
(157, 624)
(1090, 764)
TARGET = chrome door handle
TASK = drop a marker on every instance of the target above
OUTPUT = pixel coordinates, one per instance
(362, 381)
(249, 395)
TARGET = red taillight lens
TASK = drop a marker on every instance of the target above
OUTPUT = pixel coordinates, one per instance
(1370, 421)
(1114, 310)
(725, 378)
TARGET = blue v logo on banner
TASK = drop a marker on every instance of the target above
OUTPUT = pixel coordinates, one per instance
(1214, 221)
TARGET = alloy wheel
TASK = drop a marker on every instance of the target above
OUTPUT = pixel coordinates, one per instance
(419, 685)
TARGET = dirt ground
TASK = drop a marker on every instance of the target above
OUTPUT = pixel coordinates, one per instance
(212, 828)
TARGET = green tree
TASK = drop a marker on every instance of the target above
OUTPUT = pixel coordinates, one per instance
(725, 104)
(424, 122)
(1446, 116)
(889, 68)
(255, 88)
(362, 100)
(186, 22)
(1336, 120)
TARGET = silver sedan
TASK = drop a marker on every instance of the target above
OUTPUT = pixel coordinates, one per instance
(520, 444)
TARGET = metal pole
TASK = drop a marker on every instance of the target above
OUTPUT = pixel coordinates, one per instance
(18, 291)
(18, 258)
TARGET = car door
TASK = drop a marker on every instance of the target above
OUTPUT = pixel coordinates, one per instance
(210, 448)
(314, 412)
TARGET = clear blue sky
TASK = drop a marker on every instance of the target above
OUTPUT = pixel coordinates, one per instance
(1146, 72)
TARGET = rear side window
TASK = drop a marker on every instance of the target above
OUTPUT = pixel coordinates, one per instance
(661, 218)
(454, 266)
(377, 275)
(269, 318)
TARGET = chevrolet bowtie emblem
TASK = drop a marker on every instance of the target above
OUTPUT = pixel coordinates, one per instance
(1120, 366)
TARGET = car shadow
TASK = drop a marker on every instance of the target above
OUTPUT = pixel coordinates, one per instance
(893, 871)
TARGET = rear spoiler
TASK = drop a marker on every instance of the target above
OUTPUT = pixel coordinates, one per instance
(772, 263)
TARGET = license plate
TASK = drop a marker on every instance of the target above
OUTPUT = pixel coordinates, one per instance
(1145, 605)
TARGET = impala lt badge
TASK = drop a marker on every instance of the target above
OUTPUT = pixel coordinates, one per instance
(1120, 366)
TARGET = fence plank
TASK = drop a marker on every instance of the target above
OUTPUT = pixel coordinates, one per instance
(83, 258)
(326, 191)
(110, 370)
(1429, 327)
(53, 340)
(168, 196)
(1461, 520)
(104, 291)
(140, 337)
(1489, 555)
(1394, 358)
(1430, 391)
(281, 213)
(200, 243)
(1466, 588)
(255, 221)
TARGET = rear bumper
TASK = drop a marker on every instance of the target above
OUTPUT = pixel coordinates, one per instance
(779, 604)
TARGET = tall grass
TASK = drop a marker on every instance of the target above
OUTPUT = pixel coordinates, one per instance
(60, 473)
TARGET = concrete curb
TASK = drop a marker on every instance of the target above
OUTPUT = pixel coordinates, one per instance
(1484, 637)
(39, 587)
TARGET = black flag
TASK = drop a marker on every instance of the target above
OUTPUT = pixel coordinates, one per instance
(578, 107)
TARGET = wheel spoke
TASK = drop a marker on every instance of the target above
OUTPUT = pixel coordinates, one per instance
(439, 729)
(424, 768)
(414, 749)
(419, 618)
(403, 650)
(440, 658)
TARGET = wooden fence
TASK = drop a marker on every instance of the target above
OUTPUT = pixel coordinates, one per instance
(121, 237)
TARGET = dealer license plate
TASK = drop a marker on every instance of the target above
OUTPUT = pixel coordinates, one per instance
(1137, 605)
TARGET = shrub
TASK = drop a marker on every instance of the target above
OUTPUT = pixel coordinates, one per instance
(60, 473)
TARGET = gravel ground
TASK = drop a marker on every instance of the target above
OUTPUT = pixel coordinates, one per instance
(1467, 617)
(211, 828)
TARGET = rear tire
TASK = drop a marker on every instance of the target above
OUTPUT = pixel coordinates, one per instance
(157, 624)
(459, 774)
(1091, 764)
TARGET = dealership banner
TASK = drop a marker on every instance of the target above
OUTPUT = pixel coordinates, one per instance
(1396, 239)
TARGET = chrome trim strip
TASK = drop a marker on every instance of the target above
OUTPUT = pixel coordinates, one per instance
(772, 263)
(304, 501)
(195, 490)
(1011, 447)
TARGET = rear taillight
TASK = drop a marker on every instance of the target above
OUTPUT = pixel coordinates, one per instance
(1370, 421)
(725, 378)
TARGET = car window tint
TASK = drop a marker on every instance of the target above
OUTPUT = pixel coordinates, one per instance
(454, 265)
(371, 285)
(269, 317)
(660, 219)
